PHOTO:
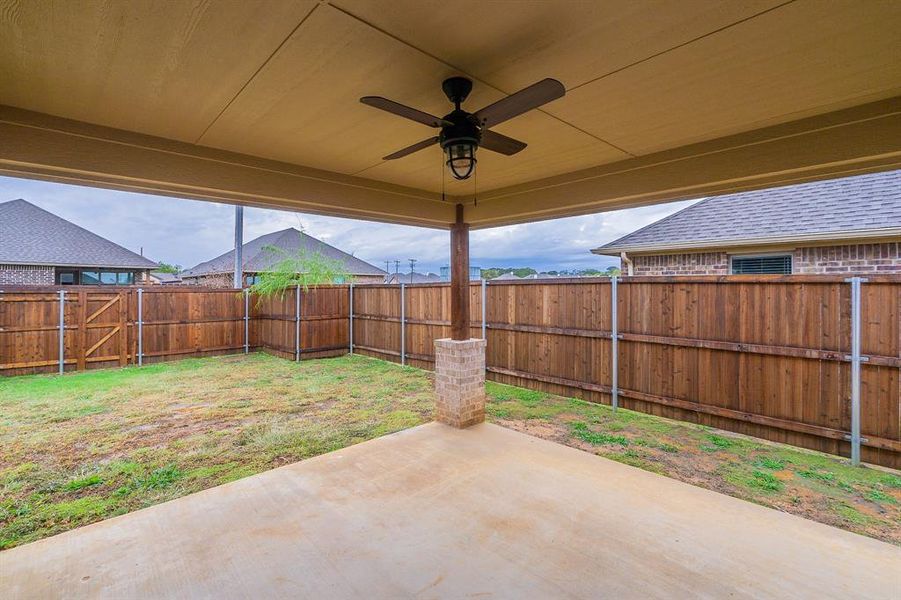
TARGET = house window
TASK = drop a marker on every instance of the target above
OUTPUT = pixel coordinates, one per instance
(66, 278)
(251, 279)
(107, 277)
(766, 264)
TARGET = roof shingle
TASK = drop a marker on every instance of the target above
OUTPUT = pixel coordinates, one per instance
(31, 235)
(864, 204)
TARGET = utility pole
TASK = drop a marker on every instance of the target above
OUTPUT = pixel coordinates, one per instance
(397, 268)
(239, 245)
(387, 271)
(412, 264)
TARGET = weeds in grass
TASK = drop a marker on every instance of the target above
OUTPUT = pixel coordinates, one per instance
(720, 442)
(766, 462)
(818, 475)
(753, 480)
(83, 482)
(634, 459)
(879, 496)
(849, 513)
(580, 430)
(658, 445)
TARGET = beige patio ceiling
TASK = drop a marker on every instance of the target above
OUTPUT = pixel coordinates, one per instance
(257, 102)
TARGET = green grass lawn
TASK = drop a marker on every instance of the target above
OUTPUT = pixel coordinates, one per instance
(811, 484)
(79, 448)
(83, 447)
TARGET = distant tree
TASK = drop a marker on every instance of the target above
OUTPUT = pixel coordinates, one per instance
(299, 267)
(613, 272)
(592, 273)
(523, 271)
(167, 268)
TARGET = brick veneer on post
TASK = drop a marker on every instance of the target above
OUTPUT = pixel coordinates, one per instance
(460, 381)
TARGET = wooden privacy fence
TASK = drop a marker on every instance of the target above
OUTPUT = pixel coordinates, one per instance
(768, 356)
(83, 327)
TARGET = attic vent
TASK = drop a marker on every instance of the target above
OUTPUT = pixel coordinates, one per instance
(762, 265)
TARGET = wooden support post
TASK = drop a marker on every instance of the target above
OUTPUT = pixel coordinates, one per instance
(460, 278)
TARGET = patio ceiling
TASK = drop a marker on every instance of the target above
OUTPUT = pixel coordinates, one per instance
(257, 102)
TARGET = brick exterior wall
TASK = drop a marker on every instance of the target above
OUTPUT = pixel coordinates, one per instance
(859, 258)
(26, 275)
(460, 382)
(854, 259)
(698, 263)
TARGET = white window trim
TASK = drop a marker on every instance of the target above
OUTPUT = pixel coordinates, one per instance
(790, 255)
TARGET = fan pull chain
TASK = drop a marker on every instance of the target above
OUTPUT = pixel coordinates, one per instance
(475, 187)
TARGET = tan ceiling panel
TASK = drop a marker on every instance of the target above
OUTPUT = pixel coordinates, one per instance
(304, 107)
(793, 62)
(553, 148)
(513, 44)
(164, 69)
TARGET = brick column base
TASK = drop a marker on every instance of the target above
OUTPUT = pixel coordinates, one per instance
(460, 381)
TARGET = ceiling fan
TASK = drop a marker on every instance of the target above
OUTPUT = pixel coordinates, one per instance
(462, 133)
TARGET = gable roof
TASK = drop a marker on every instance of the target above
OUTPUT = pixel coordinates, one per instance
(30, 235)
(507, 277)
(257, 259)
(164, 277)
(851, 208)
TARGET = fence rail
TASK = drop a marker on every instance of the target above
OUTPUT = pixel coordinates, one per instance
(773, 357)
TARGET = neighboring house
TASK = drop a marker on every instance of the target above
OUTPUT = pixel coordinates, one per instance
(394, 278)
(507, 277)
(850, 225)
(39, 248)
(159, 277)
(256, 259)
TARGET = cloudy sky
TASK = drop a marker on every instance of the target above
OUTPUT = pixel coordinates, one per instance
(188, 232)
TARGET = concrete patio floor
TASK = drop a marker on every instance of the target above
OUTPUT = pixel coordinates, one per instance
(434, 512)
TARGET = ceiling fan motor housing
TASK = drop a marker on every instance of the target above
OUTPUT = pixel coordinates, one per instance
(462, 128)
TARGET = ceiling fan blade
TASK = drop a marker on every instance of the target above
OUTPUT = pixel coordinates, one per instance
(522, 101)
(497, 142)
(402, 111)
(411, 149)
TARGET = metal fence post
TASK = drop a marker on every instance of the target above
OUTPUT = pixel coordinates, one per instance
(614, 345)
(350, 310)
(140, 327)
(855, 359)
(403, 325)
(484, 307)
(246, 320)
(297, 324)
(62, 331)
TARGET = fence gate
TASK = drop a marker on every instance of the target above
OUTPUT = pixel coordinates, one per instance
(102, 328)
